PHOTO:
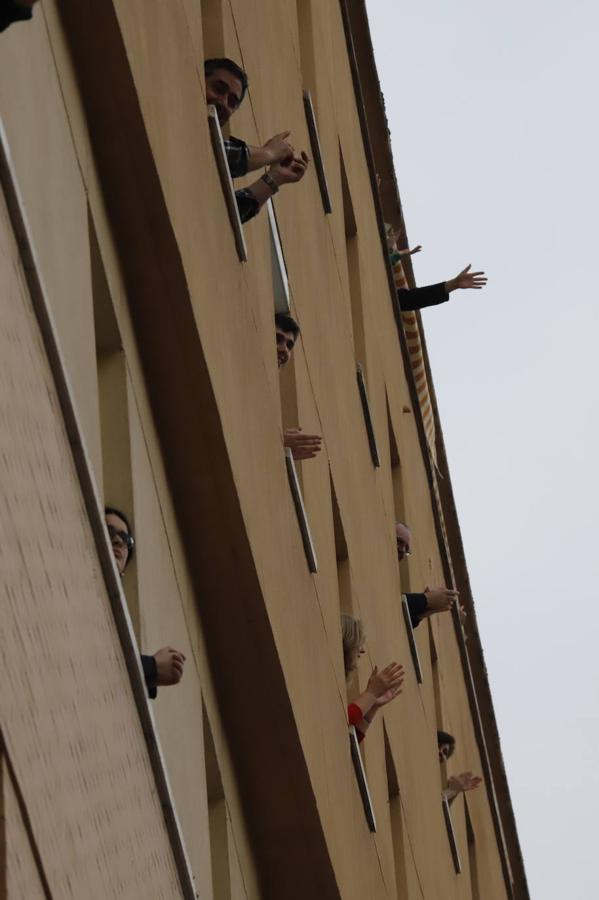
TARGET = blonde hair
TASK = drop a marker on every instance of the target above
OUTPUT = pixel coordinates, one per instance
(352, 632)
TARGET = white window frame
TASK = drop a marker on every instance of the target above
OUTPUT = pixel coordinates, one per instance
(453, 844)
(302, 518)
(280, 279)
(411, 639)
(374, 450)
(220, 155)
(361, 779)
(317, 153)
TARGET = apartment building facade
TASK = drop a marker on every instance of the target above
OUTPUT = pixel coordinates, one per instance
(139, 371)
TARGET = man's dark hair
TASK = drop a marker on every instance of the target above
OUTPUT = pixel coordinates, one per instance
(113, 511)
(445, 739)
(287, 323)
(213, 65)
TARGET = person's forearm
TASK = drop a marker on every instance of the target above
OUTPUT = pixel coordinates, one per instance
(262, 191)
(258, 158)
(451, 285)
(365, 702)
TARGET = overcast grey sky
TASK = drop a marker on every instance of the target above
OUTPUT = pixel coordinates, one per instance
(493, 115)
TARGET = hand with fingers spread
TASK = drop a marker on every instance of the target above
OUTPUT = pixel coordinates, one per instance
(302, 446)
(406, 251)
(169, 666)
(440, 599)
(290, 170)
(466, 279)
(459, 784)
(388, 680)
(391, 693)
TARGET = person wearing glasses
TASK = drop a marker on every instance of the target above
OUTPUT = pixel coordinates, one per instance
(226, 86)
(165, 667)
(456, 784)
(431, 600)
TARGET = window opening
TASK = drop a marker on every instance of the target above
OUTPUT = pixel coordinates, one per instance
(396, 822)
(361, 779)
(217, 818)
(300, 510)
(280, 280)
(226, 182)
(317, 153)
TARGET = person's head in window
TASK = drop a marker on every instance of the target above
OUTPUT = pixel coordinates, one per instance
(121, 538)
(404, 540)
(15, 11)
(287, 331)
(226, 84)
(445, 744)
(352, 632)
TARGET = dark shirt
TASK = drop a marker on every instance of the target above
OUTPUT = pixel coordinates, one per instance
(11, 11)
(417, 605)
(411, 299)
(148, 664)
(238, 154)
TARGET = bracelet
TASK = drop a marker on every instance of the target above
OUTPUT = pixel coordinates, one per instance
(270, 182)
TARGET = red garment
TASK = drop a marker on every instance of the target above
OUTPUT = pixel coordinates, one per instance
(354, 714)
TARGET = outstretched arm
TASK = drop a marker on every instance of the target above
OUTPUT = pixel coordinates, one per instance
(466, 279)
(302, 446)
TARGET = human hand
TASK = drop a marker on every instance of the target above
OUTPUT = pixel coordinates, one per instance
(385, 684)
(278, 149)
(407, 252)
(467, 279)
(169, 666)
(465, 782)
(302, 446)
(290, 170)
(440, 599)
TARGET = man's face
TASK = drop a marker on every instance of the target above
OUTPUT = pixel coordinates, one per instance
(285, 345)
(224, 90)
(117, 531)
(403, 541)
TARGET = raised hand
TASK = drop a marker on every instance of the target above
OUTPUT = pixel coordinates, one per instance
(302, 446)
(290, 170)
(466, 781)
(388, 681)
(467, 279)
(440, 599)
(169, 666)
(407, 252)
(278, 149)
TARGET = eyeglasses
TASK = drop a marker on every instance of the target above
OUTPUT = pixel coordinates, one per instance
(123, 538)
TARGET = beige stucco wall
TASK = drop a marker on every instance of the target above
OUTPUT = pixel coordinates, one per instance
(228, 308)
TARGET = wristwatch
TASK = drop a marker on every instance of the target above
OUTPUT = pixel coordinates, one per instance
(272, 184)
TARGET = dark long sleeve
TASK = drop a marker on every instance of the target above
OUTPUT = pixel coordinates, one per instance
(246, 204)
(238, 156)
(411, 299)
(417, 605)
(148, 664)
(10, 12)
